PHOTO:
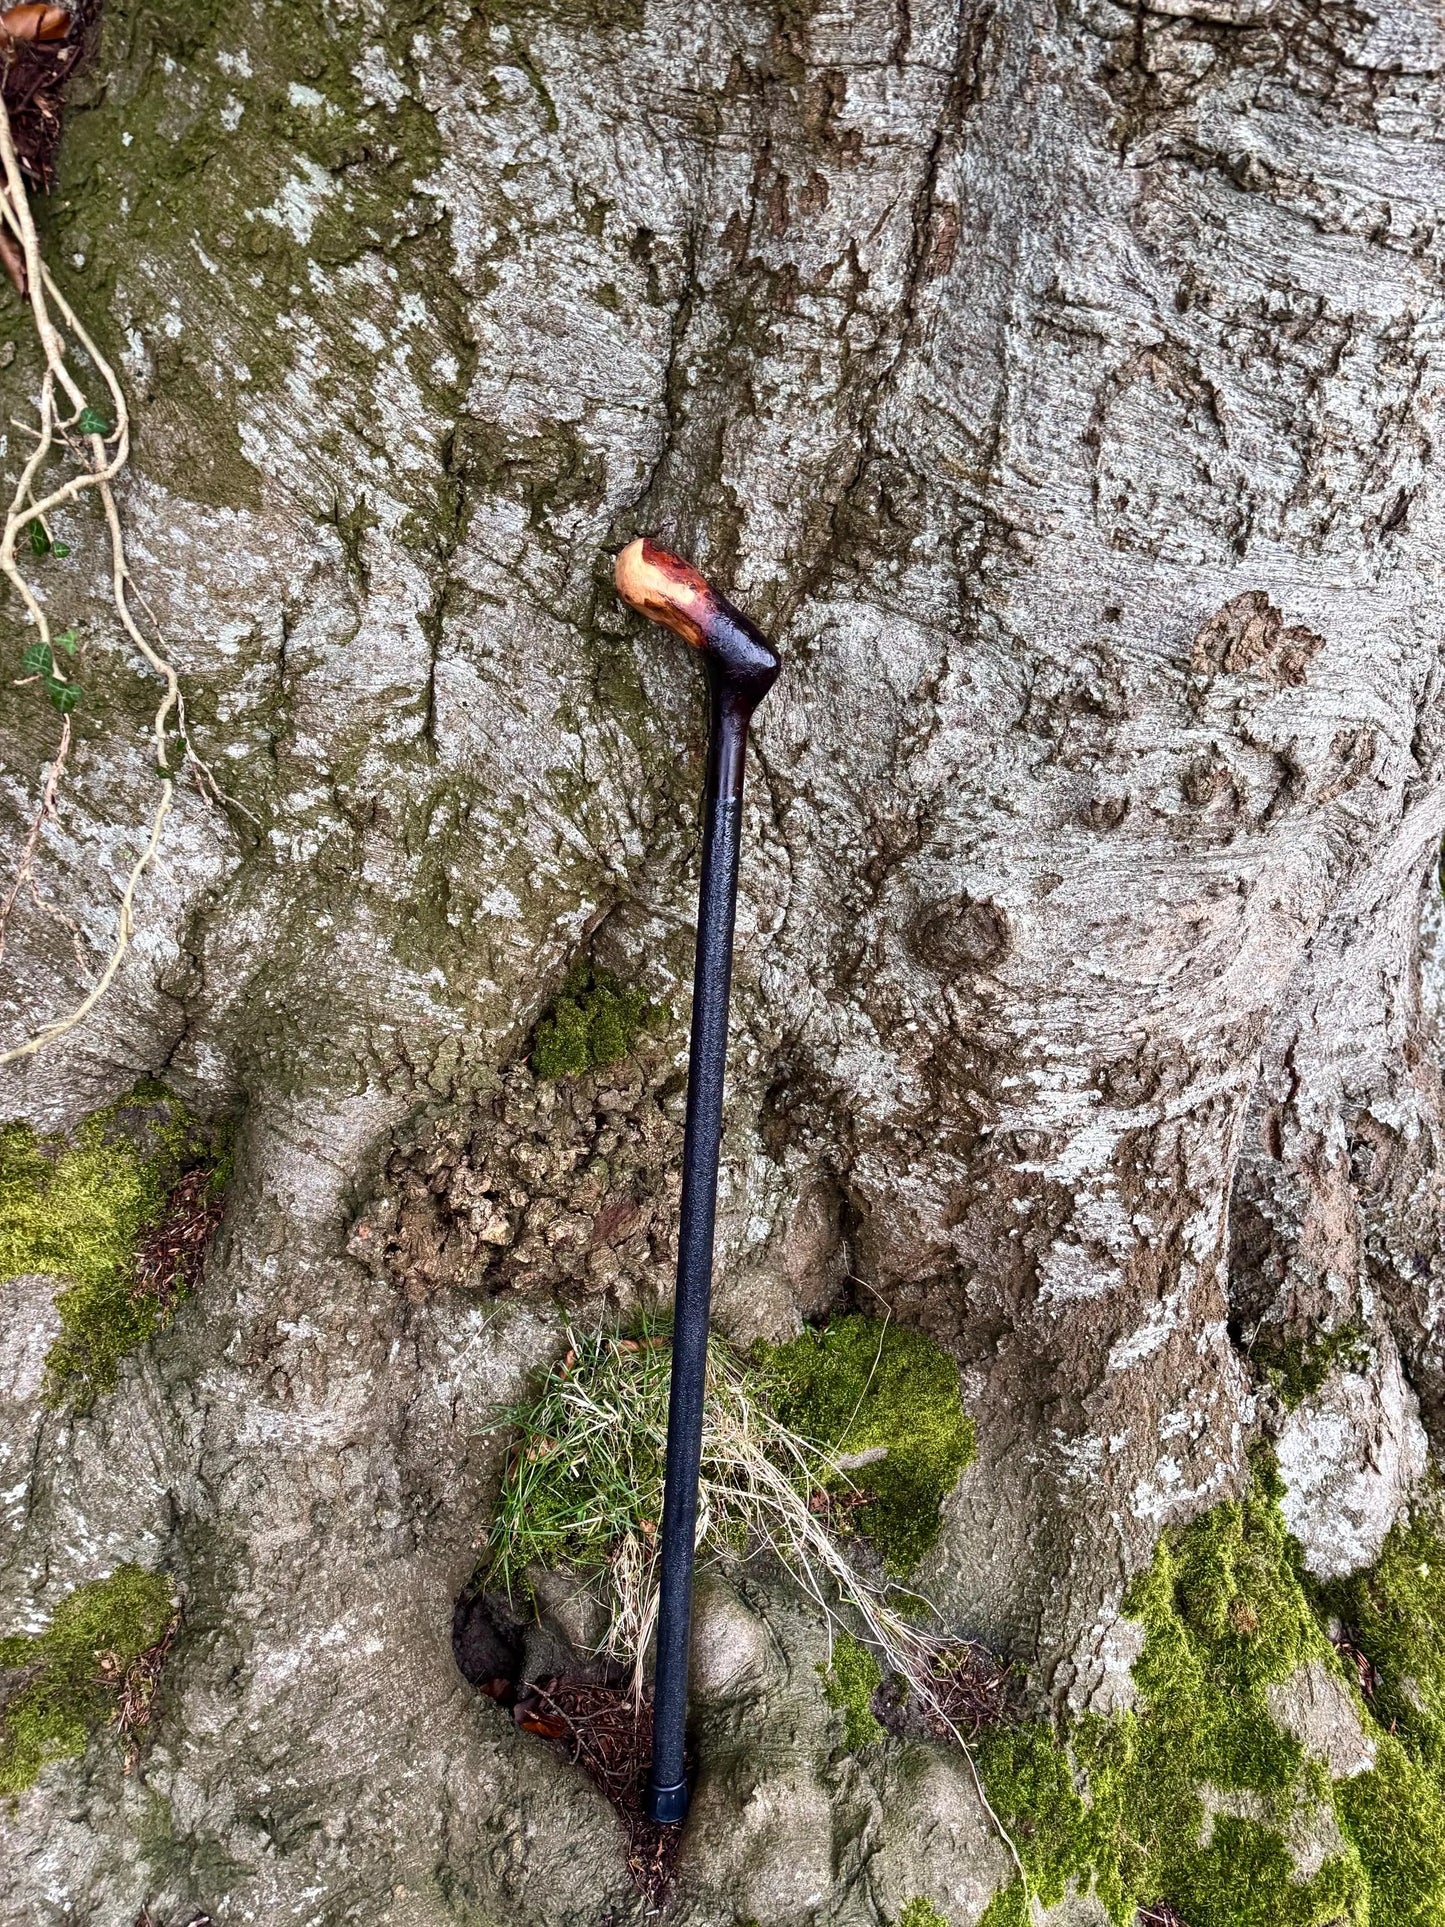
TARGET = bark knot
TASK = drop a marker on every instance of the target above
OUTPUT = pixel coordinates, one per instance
(1250, 636)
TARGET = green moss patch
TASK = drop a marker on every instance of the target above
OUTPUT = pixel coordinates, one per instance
(59, 1687)
(850, 1683)
(595, 1021)
(1298, 1367)
(1192, 1798)
(921, 1913)
(1393, 1615)
(1396, 1818)
(1008, 1908)
(1117, 1806)
(864, 1387)
(97, 1211)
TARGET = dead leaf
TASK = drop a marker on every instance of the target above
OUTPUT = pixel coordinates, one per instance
(35, 23)
(13, 261)
(540, 1724)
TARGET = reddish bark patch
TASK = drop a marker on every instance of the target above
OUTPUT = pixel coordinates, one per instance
(1250, 636)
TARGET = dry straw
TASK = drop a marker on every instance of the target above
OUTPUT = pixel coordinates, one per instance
(583, 1491)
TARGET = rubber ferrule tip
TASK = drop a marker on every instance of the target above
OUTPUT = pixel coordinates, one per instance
(666, 1805)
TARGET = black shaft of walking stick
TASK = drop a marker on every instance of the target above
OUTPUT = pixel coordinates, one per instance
(741, 665)
(712, 980)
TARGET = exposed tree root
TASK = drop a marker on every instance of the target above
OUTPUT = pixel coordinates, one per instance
(67, 418)
(25, 868)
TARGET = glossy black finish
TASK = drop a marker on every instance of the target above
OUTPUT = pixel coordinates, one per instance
(739, 659)
(731, 706)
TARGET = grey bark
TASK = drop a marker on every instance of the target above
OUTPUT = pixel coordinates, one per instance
(1058, 385)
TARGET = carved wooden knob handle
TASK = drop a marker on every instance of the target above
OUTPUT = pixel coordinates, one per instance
(668, 590)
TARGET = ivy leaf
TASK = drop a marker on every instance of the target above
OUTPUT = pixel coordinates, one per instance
(39, 540)
(64, 695)
(37, 660)
(67, 638)
(60, 548)
(90, 421)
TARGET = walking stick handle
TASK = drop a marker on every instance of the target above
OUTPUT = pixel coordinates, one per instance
(661, 585)
(741, 665)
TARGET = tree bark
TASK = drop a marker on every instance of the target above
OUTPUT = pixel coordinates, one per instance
(1056, 384)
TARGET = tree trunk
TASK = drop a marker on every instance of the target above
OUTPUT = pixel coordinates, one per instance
(1056, 386)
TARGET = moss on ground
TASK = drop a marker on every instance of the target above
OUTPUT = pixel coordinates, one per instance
(64, 1684)
(595, 1021)
(850, 1683)
(1118, 1807)
(82, 1211)
(864, 1386)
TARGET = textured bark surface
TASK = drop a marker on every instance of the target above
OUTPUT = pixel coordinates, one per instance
(1058, 386)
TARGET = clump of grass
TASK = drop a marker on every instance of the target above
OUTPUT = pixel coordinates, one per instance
(98, 1212)
(583, 1490)
(885, 1402)
(595, 1021)
(92, 1666)
(850, 1682)
(583, 1487)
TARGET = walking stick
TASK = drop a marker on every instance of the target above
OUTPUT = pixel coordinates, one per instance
(740, 664)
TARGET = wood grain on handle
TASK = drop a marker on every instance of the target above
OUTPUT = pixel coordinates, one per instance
(670, 591)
